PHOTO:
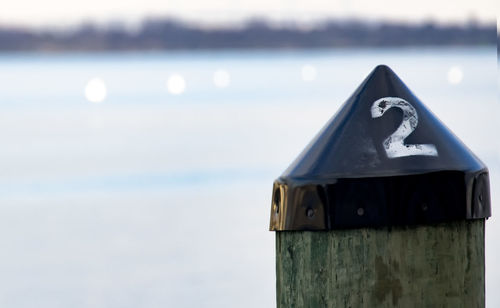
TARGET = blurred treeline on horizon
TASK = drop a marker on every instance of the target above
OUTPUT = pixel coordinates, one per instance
(169, 34)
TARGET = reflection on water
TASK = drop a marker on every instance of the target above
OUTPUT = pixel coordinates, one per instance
(176, 84)
(309, 72)
(95, 90)
(151, 200)
(455, 75)
(222, 79)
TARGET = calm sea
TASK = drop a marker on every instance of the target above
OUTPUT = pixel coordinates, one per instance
(150, 199)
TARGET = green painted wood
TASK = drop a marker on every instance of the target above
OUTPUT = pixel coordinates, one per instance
(438, 265)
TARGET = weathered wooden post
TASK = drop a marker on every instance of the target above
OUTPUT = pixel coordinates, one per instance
(384, 208)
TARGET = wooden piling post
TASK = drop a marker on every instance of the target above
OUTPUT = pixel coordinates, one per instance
(365, 218)
(422, 266)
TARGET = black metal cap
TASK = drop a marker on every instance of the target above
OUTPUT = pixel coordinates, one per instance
(383, 159)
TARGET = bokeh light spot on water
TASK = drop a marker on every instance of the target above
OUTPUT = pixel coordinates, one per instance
(455, 75)
(95, 90)
(221, 78)
(176, 84)
(309, 73)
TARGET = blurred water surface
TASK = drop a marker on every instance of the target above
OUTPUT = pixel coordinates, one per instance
(150, 199)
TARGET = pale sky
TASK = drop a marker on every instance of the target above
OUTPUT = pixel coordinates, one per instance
(64, 12)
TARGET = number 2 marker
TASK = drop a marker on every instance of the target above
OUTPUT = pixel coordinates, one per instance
(394, 144)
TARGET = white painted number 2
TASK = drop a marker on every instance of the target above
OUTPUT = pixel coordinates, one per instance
(394, 144)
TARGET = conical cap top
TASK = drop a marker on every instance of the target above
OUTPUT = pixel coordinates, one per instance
(383, 129)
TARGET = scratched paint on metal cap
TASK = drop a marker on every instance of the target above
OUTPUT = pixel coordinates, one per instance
(383, 159)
